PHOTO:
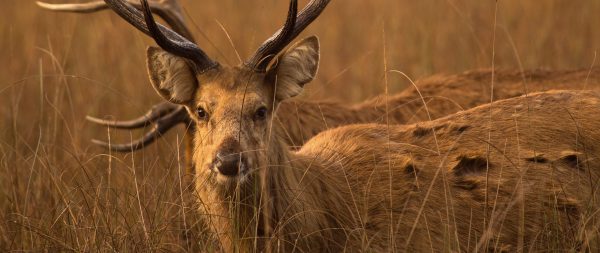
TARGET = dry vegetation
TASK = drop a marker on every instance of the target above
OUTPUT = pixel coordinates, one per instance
(59, 192)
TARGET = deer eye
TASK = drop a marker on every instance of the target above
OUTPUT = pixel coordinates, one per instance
(261, 113)
(202, 114)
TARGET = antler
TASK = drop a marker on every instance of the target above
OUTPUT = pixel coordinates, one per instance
(166, 38)
(161, 115)
(168, 10)
(291, 29)
(157, 111)
(166, 119)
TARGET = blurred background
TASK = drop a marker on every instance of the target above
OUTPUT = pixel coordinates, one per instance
(60, 192)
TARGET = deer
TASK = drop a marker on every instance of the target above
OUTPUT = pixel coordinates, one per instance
(459, 182)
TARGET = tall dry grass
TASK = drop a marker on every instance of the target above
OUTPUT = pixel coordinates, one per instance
(58, 192)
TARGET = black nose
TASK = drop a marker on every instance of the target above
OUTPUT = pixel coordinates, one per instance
(228, 164)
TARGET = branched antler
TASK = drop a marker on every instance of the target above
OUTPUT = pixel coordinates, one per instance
(169, 10)
(157, 112)
(162, 124)
(292, 28)
(160, 115)
(180, 41)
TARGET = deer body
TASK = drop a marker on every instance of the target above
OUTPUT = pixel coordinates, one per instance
(535, 156)
(377, 188)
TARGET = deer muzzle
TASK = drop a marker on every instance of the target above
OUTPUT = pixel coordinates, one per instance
(229, 160)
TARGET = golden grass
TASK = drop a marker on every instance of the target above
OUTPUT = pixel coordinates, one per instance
(58, 192)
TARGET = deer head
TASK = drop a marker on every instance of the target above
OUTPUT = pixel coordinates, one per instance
(230, 105)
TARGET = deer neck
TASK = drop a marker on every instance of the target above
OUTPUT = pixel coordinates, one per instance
(293, 188)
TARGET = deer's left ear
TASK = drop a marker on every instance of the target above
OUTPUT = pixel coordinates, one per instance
(295, 68)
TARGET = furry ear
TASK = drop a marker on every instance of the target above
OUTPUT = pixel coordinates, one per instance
(171, 76)
(296, 67)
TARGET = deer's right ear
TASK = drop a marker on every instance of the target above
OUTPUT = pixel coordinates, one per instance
(171, 76)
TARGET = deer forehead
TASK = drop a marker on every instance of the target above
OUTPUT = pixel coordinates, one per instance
(231, 86)
(224, 101)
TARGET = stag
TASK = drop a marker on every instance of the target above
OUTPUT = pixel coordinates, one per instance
(456, 183)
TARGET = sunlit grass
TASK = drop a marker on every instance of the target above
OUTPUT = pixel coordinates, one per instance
(58, 192)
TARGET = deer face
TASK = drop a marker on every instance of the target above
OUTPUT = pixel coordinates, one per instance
(232, 106)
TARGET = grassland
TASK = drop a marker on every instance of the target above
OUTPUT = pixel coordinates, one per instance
(59, 192)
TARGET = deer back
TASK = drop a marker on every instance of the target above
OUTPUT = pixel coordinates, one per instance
(518, 173)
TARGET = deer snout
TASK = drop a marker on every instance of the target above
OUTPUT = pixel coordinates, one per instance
(229, 161)
(229, 164)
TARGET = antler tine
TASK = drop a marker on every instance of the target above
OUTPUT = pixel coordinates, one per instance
(157, 111)
(169, 40)
(80, 8)
(168, 10)
(161, 126)
(263, 55)
(273, 45)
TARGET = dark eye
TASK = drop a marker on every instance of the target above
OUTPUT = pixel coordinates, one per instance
(261, 113)
(202, 114)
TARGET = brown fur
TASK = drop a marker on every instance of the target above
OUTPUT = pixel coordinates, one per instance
(519, 174)
(383, 187)
(444, 95)
(301, 119)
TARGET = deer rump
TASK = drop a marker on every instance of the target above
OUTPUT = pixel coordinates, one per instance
(519, 173)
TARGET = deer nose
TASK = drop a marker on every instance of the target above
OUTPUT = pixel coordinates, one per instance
(228, 164)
